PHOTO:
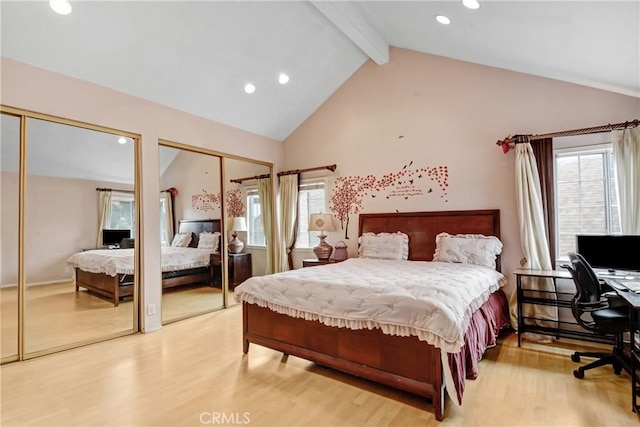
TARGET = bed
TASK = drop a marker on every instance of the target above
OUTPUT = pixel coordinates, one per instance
(404, 362)
(115, 283)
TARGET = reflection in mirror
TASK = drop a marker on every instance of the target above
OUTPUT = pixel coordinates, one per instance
(248, 220)
(65, 216)
(190, 233)
(9, 183)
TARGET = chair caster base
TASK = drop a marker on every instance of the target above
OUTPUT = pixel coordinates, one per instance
(575, 357)
(578, 373)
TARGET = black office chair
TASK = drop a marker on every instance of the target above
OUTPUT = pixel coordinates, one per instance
(604, 318)
(127, 243)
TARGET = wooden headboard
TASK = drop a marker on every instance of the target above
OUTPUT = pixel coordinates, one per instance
(197, 226)
(422, 227)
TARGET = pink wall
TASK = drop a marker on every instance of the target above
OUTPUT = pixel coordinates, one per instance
(436, 111)
(61, 219)
(35, 89)
(193, 174)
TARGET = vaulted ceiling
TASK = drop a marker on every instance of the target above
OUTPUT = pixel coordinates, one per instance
(198, 56)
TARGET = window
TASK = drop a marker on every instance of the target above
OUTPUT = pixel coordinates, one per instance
(255, 227)
(123, 212)
(311, 199)
(586, 199)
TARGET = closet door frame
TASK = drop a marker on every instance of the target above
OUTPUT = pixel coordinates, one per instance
(137, 319)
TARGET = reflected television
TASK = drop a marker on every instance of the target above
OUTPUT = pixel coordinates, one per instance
(114, 237)
(610, 252)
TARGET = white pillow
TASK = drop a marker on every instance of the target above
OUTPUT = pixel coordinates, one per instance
(468, 249)
(209, 240)
(181, 240)
(384, 246)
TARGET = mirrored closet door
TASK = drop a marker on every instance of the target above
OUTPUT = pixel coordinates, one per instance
(191, 231)
(56, 293)
(9, 191)
(80, 227)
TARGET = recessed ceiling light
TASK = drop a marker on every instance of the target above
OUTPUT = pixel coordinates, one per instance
(283, 79)
(443, 19)
(249, 88)
(471, 4)
(60, 6)
(122, 140)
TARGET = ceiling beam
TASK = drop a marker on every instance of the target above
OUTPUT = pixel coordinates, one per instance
(346, 16)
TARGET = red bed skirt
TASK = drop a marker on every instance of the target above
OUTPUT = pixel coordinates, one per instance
(483, 330)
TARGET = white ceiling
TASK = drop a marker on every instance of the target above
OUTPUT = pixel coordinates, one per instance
(64, 151)
(197, 56)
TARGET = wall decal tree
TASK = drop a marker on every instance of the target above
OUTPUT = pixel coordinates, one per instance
(206, 201)
(235, 205)
(349, 191)
(347, 197)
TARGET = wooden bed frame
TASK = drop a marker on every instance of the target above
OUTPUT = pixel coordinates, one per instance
(405, 363)
(120, 286)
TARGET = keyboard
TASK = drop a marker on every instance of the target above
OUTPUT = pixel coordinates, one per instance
(626, 285)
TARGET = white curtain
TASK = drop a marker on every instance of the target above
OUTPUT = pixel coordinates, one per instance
(168, 221)
(626, 152)
(533, 236)
(288, 209)
(266, 203)
(104, 214)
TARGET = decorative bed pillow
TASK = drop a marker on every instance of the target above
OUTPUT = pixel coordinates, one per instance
(209, 240)
(467, 249)
(384, 246)
(181, 240)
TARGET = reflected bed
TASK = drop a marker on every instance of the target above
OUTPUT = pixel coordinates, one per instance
(114, 278)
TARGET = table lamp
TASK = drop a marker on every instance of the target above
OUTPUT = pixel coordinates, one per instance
(322, 223)
(238, 224)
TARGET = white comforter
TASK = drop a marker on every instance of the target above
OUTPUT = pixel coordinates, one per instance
(431, 300)
(120, 261)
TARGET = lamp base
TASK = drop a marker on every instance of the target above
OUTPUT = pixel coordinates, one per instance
(323, 250)
(235, 245)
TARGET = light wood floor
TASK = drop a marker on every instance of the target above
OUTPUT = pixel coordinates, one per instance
(192, 370)
(57, 315)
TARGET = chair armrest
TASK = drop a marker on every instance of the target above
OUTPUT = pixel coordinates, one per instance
(593, 306)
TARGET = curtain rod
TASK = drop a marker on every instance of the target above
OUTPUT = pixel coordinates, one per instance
(294, 171)
(111, 189)
(239, 180)
(128, 191)
(518, 139)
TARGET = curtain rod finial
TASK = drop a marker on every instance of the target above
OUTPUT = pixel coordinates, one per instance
(506, 144)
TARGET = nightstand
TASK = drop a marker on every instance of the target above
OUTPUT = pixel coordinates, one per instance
(240, 269)
(312, 262)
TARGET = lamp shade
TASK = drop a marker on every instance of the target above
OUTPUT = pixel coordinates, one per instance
(239, 224)
(321, 222)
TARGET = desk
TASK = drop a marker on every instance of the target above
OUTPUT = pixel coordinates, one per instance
(633, 300)
(553, 299)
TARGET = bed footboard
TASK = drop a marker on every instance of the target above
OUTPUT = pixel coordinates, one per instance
(405, 363)
(103, 285)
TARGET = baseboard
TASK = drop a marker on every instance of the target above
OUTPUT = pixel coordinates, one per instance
(48, 282)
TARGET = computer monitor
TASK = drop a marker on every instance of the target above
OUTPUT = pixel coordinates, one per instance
(610, 252)
(113, 237)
